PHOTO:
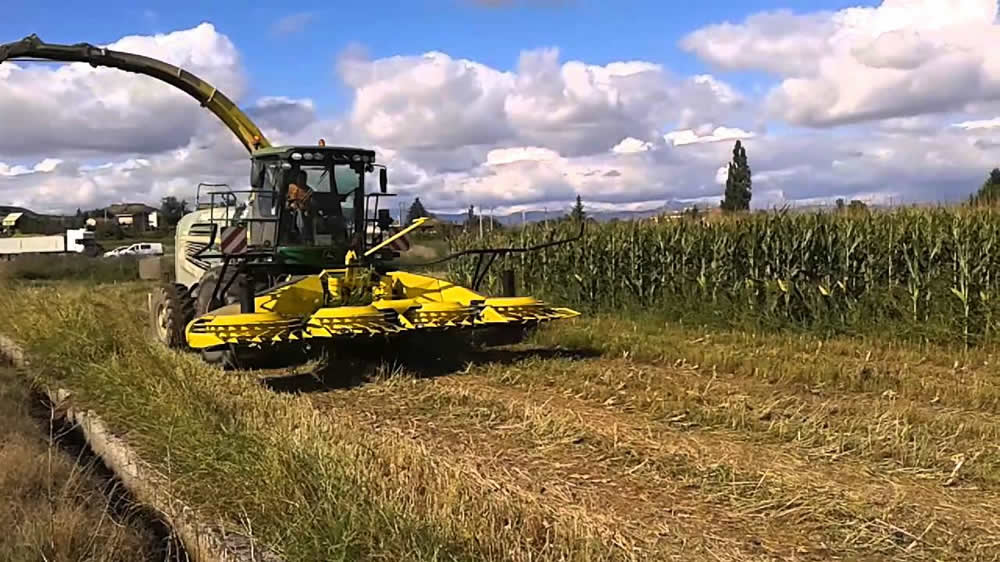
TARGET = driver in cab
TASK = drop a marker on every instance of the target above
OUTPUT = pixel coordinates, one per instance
(299, 191)
(298, 200)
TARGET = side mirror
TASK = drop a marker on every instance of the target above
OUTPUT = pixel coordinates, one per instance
(383, 180)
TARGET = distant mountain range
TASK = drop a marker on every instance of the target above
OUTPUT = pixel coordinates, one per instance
(8, 209)
(597, 214)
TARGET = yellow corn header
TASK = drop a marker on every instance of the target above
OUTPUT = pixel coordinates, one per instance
(312, 307)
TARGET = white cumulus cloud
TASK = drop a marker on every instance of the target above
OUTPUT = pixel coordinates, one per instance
(434, 101)
(687, 136)
(502, 156)
(429, 101)
(899, 59)
(76, 107)
(979, 124)
(631, 145)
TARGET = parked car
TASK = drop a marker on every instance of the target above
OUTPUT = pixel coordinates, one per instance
(140, 249)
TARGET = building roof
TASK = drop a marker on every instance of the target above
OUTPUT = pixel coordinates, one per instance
(130, 209)
(11, 219)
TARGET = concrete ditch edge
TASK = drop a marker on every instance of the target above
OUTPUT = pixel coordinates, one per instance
(203, 542)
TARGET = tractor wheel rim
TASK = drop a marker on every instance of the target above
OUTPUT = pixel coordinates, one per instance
(161, 320)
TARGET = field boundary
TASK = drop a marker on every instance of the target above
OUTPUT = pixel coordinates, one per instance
(203, 542)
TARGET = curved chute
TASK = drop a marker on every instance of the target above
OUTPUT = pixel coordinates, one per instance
(31, 47)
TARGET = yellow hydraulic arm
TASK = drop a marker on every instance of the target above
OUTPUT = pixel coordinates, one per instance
(31, 47)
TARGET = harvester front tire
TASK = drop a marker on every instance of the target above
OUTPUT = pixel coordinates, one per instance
(223, 357)
(497, 336)
(230, 357)
(206, 286)
(170, 311)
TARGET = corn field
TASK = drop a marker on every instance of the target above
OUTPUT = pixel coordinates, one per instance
(930, 273)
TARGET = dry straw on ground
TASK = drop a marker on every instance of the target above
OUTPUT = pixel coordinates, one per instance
(640, 444)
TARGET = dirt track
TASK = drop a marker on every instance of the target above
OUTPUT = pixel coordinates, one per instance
(670, 462)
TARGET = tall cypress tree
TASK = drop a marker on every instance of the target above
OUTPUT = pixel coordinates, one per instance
(738, 182)
(578, 214)
(416, 211)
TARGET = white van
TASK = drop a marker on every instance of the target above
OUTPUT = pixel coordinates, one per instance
(140, 249)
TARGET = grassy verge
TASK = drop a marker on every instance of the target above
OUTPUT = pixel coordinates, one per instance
(70, 267)
(54, 506)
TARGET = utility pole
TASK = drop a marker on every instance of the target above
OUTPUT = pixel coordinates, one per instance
(524, 223)
(480, 223)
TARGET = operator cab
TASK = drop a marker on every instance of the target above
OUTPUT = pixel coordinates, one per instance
(311, 200)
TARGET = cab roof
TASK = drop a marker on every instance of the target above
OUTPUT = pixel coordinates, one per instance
(338, 153)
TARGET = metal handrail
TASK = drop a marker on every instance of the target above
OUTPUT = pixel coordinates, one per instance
(483, 264)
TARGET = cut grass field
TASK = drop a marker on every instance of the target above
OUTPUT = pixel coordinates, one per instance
(55, 506)
(62, 267)
(600, 439)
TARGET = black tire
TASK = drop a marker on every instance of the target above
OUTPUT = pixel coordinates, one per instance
(170, 312)
(206, 286)
(222, 356)
(496, 336)
(232, 357)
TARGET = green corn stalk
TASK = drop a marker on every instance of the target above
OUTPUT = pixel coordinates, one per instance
(911, 265)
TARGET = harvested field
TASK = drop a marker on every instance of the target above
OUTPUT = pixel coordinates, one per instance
(663, 460)
(602, 439)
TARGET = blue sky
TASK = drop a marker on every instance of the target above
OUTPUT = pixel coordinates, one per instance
(887, 100)
(597, 32)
